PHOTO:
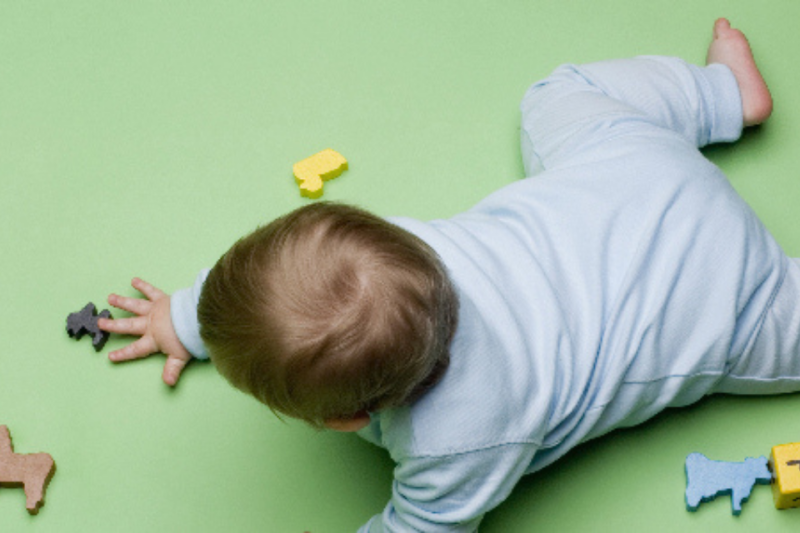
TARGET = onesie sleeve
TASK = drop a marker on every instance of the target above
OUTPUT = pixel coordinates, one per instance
(570, 114)
(451, 493)
(183, 310)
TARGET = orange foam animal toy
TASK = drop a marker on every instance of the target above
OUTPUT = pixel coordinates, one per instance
(31, 471)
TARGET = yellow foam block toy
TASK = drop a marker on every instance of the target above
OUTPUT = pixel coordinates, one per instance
(312, 171)
(785, 463)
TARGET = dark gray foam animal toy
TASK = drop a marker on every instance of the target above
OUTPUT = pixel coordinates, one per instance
(85, 321)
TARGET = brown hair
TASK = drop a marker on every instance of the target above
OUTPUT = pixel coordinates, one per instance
(329, 311)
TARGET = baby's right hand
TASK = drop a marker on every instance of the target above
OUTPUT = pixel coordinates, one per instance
(153, 324)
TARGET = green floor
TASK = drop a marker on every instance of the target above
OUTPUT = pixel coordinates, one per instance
(142, 138)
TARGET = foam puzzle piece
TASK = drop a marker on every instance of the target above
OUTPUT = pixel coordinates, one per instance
(706, 479)
(32, 471)
(785, 462)
(85, 321)
(312, 171)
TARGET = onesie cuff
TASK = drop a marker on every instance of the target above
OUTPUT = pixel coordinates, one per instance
(727, 120)
(183, 310)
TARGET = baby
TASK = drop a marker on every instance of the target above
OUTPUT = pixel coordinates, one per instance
(622, 277)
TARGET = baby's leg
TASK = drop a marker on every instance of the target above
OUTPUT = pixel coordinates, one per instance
(569, 117)
(771, 364)
(730, 47)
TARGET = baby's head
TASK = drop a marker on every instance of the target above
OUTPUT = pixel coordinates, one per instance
(328, 313)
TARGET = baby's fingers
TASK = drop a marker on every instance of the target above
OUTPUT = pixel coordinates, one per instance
(135, 350)
(133, 305)
(173, 369)
(125, 326)
(148, 290)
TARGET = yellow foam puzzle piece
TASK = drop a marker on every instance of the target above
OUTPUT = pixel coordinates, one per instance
(785, 463)
(312, 171)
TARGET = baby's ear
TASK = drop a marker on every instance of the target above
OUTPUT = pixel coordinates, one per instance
(358, 422)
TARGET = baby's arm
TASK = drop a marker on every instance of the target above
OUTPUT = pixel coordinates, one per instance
(451, 493)
(153, 324)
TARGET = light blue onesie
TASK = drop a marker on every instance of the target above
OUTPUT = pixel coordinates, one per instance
(623, 277)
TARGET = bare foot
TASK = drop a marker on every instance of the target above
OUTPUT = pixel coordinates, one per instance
(730, 47)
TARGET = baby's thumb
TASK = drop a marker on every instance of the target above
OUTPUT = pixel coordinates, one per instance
(172, 370)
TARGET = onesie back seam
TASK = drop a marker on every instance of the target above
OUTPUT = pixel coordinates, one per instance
(477, 449)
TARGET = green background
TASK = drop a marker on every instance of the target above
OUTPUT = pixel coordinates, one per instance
(141, 138)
